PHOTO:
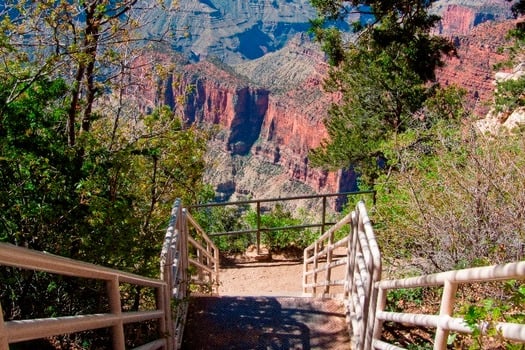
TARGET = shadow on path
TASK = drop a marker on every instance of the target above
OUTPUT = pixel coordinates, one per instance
(265, 323)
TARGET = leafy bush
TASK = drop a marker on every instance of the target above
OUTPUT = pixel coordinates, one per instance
(458, 206)
(483, 317)
(221, 219)
(510, 94)
(282, 238)
(105, 200)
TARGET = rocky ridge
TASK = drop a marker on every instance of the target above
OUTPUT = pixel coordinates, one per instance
(262, 147)
(239, 31)
(270, 110)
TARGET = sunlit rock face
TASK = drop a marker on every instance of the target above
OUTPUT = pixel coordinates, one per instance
(264, 90)
(233, 30)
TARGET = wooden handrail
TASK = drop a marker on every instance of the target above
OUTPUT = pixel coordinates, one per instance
(365, 293)
(362, 267)
(171, 289)
(207, 257)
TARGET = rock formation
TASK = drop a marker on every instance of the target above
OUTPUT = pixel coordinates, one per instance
(232, 31)
(473, 68)
(262, 147)
(460, 17)
(270, 110)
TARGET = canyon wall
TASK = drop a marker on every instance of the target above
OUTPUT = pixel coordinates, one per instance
(265, 135)
(270, 111)
(473, 67)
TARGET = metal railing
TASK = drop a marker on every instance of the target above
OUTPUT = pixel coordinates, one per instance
(23, 330)
(189, 260)
(185, 261)
(365, 294)
(260, 229)
(361, 267)
(445, 322)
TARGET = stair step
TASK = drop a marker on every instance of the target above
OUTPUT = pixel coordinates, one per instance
(265, 322)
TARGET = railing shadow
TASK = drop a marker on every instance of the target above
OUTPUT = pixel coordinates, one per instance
(261, 323)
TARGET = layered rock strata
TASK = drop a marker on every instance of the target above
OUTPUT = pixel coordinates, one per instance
(270, 111)
(261, 150)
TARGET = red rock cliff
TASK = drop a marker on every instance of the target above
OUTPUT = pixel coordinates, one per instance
(280, 129)
(276, 129)
(473, 68)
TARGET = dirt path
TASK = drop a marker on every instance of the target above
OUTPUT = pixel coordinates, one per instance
(249, 274)
(281, 277)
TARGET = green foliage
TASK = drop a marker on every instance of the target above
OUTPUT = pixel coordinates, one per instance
(83, 173)
(220, 219)
(423, 346)
(276, 238)
(509, 95)
(225, 219)
(483, 317)
(456, 199)
(35, 190)
(106, 200)
(398, 299)
(383, 80)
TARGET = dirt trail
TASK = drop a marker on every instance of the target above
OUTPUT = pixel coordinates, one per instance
(281, 277)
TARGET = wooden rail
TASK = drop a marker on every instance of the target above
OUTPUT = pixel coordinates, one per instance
(190, 260)
(365, 294)
(22, 330)
(180, 254)
(205, 259)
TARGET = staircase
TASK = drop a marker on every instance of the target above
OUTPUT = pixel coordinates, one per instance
(244, 323)
(344, 310)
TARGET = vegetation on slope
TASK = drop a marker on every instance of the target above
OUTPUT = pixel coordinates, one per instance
(449, 195)
(446, 192)
(83, 172)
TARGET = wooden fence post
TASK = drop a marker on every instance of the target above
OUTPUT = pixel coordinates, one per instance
(446, 309)
(116, 309)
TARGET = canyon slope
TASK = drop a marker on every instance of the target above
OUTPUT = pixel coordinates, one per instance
(269, 110)
(238, 31)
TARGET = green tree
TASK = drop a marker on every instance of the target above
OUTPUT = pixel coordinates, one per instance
(36, 191)
(91, 44)
(84, 172)
(384, 73)
(110, 209)
(518, 8)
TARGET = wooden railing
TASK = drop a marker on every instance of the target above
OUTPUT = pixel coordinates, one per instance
(186, 261)
(349, 269)
(357, 261)
(365, 294)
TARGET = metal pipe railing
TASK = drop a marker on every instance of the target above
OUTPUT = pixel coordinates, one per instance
(362, 264)
(444, 323)
(23, 330)
(259, 229)
(171, 289)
